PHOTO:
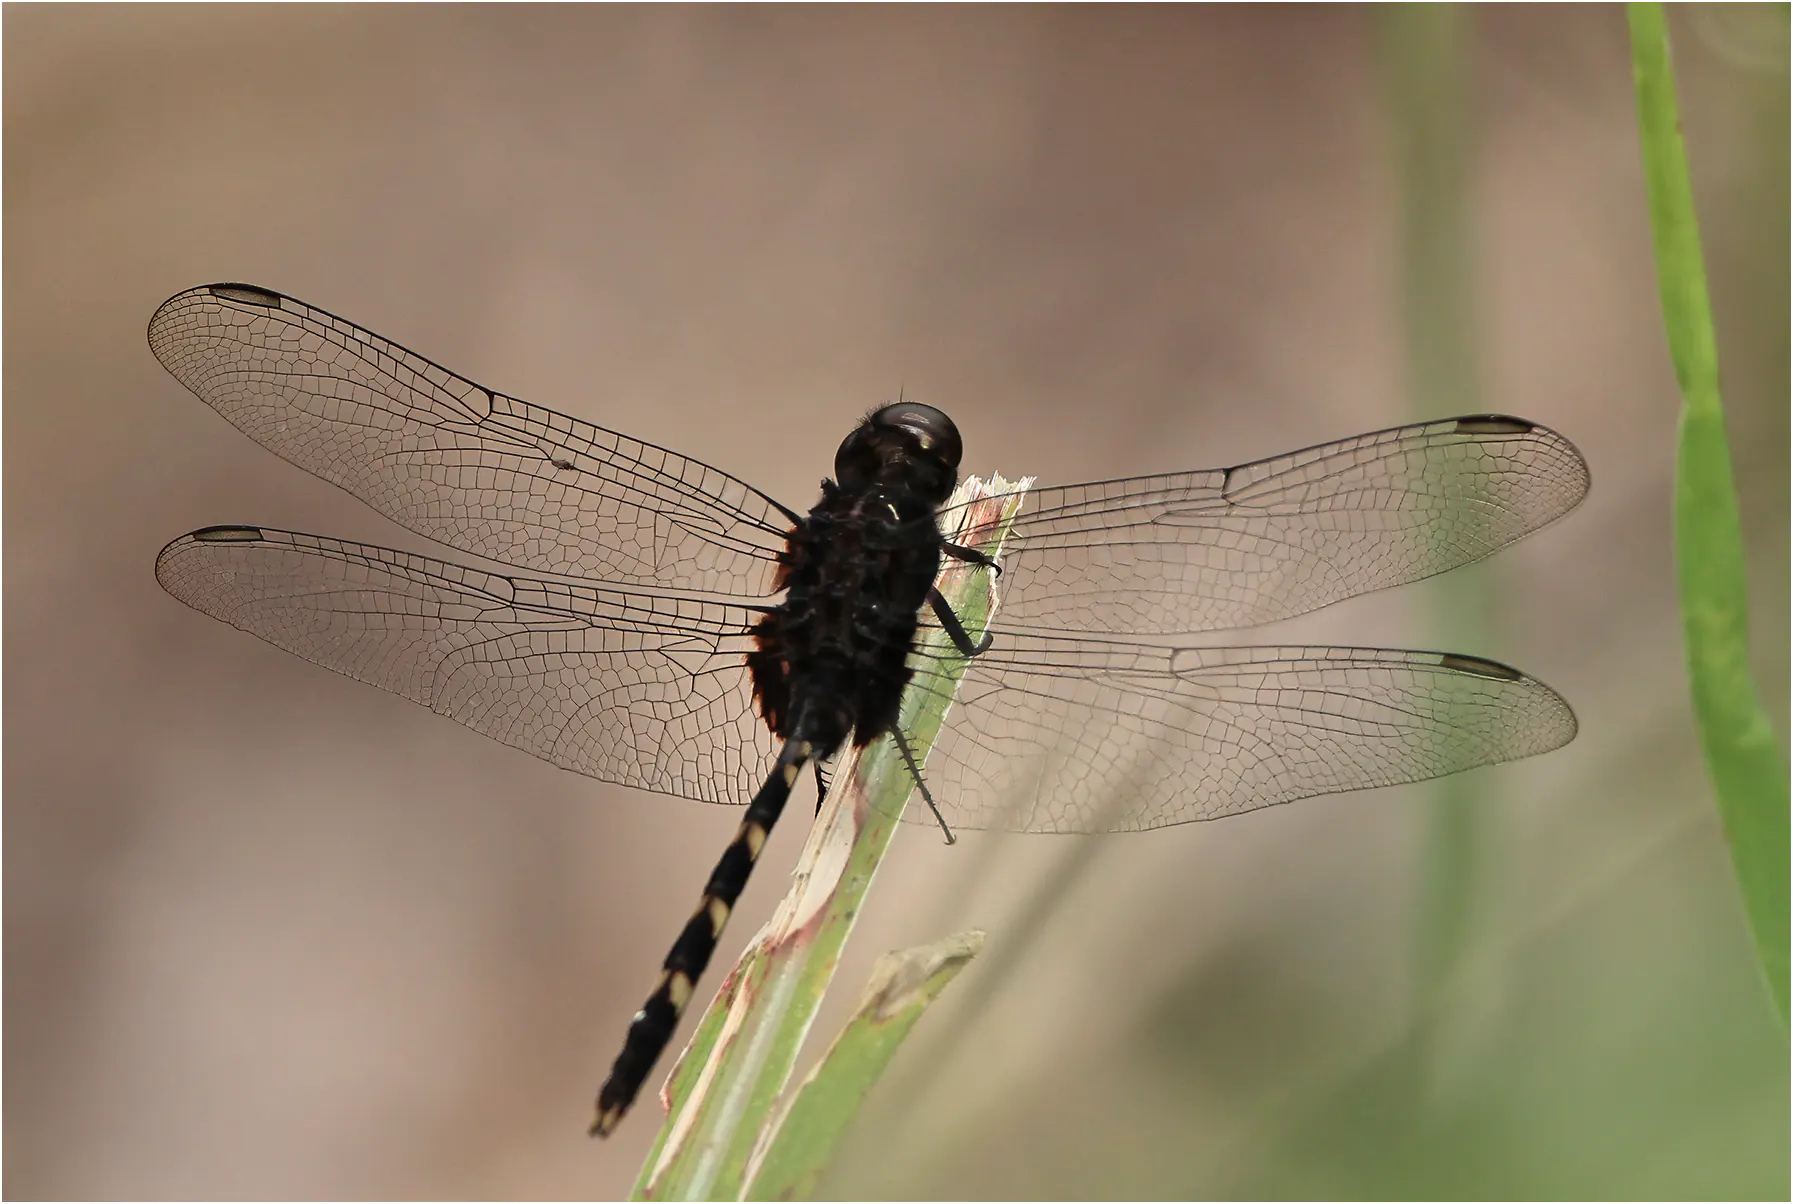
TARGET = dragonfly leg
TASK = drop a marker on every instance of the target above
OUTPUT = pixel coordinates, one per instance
(956, 630)
(970, 556)
(902, 744)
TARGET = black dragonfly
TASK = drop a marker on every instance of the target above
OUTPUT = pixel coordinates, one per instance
(649, 645)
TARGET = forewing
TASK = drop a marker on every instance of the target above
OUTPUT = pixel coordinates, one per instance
(626, 688)
(1235, 547)
(1059, 735)
(454, 461)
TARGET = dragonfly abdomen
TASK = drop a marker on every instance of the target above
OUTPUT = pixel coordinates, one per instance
(653, 1026)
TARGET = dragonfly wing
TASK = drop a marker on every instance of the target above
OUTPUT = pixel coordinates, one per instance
(1235, 547)
(1061, 735)
(452, 460)
(626, 688)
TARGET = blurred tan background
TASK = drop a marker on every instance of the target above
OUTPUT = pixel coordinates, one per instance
(269, 932)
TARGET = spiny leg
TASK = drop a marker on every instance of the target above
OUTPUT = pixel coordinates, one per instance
(902, 743)
(970, 555)
(955, 630)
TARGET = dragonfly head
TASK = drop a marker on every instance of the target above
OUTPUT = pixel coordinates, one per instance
(908, 445)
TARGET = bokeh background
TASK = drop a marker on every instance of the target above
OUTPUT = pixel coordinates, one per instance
(271, 933)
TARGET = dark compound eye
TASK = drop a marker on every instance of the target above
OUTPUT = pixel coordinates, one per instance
(919, 439)
(934, 432)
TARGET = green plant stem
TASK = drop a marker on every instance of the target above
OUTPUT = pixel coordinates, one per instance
(902, 987)
(1747, 766)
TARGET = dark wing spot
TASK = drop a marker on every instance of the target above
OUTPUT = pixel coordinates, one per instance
(248, 294)
(226, 534)
(1479, 667)
(1494, 424)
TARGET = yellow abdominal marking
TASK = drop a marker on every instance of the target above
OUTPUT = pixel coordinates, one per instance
(718, 915)
(754, 837)
(678, 990)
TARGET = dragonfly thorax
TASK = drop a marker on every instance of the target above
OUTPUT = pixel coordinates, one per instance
(831, 659)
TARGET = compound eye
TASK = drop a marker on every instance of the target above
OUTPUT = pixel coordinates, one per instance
(933, 432)
(856, 461)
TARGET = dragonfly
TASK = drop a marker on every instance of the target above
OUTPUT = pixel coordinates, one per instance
(649, 620)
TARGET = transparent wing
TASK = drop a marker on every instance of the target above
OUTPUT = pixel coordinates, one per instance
(626, 688)
(458, 463)
(1062, 735)
(1046, 735)
(1235, 547)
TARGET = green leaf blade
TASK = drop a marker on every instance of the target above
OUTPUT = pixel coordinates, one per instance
(902, 987)
(1747, 767)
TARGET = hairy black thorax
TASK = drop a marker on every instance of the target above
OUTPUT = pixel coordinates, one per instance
(831, 659)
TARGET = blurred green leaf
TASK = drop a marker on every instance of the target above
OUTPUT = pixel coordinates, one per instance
(1427, 85)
